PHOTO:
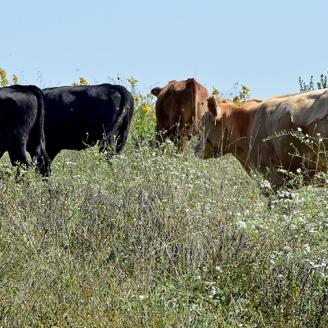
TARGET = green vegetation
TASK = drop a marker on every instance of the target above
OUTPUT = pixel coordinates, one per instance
(321, 84)
(82, 81)
(143, 131)
(243, 95)
(4, 80)
(158, 239)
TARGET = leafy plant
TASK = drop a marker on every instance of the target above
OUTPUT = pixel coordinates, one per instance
(244, 94)
(216, 92)
(82, 81)
(321, 84)
(144, 120)
(4, 80)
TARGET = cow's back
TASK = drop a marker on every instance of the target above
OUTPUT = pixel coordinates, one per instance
(79, 116)
(274, 122)
(18, 104)
(76, 109)
(179, 107)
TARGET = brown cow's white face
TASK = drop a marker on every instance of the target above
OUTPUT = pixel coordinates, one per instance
(210, 136)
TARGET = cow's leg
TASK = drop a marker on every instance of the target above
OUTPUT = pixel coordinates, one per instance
(123, 133)
(180, 142)
(43, 163)
(44, 167)
(3, 147)
(1, 152)
(16, 146)
(40, 158)
(52, 153)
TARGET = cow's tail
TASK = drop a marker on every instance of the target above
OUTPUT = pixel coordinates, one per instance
(121, 127)
(192, 86)
(37, 137)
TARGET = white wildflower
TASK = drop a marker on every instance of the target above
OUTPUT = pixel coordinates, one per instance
(265, 184)
(319, 265)
(307, 249)
(241, 224)
(193, 307)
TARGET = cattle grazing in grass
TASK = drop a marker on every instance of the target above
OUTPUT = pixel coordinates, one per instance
(287, 133)
(79, 116)
(179, 107)
(22, 126)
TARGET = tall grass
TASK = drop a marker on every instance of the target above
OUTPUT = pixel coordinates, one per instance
(159, 240)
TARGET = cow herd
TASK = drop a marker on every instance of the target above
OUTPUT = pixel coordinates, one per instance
(278, 136)
(283, 133)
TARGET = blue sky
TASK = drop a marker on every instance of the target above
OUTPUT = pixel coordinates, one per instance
(266, 45)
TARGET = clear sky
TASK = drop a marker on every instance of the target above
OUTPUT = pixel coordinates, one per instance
(264, 44)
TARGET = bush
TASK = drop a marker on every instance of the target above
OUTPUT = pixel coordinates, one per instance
(321, 84)
(158, 239)
(144, 117)
(4, 80)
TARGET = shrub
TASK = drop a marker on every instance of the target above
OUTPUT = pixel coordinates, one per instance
(82, 81)
(242, 96)
(321, 84)
(144, 120)
(4, 80)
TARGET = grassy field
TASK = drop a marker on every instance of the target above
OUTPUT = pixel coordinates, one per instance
(159, 239)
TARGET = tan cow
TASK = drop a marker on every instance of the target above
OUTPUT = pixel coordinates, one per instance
(252, 134)
(248, 104)
(179, 107)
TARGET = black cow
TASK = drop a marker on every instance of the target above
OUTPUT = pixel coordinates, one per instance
(21, 126)
(79, 116)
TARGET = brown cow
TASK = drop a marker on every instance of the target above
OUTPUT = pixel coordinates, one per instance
(252, 134)
(179, 108)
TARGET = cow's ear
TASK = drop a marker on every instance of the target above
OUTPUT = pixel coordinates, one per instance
(156, 91)
(212, 106)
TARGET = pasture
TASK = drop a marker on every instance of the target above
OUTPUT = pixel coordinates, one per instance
(159, 239)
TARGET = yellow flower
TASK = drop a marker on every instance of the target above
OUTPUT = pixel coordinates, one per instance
(145, 107)
(83, 81)
(3, 78)
(132, 81)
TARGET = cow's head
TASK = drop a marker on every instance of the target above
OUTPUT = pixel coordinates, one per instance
(211, 132)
